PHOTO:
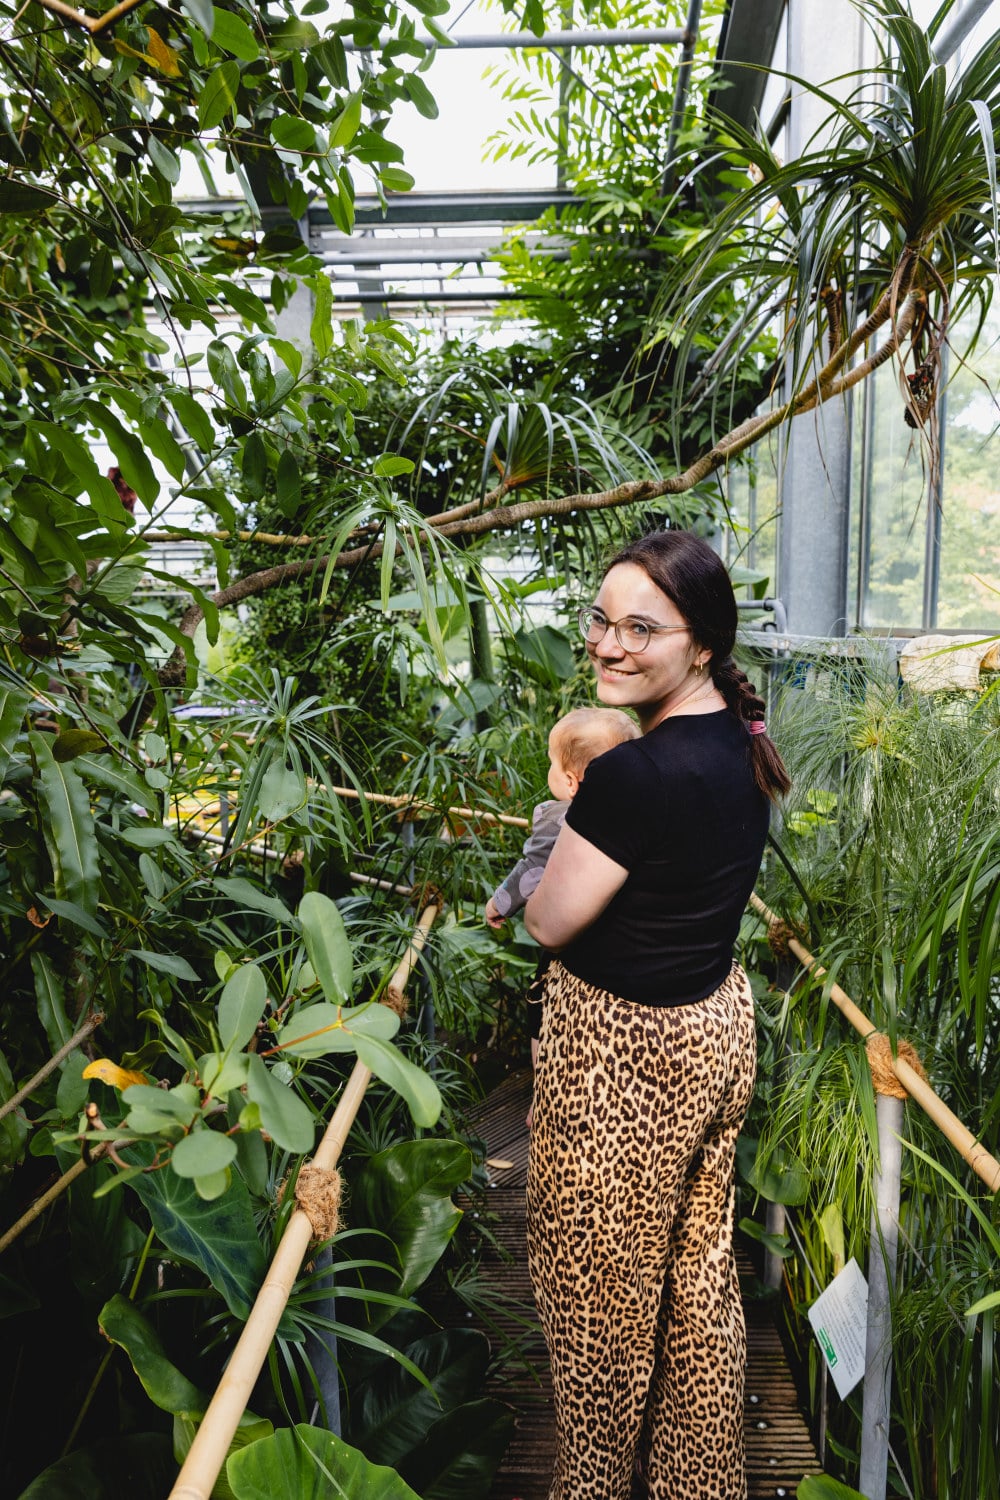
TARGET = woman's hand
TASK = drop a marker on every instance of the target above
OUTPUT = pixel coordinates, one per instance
(578, 883)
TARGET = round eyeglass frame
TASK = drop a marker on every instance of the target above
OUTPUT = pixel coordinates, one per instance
(589, 616)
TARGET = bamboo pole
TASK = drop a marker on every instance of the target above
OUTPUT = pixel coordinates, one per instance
(49, 1196)
(212, 1441)
(410, 802)
(965, 1143)
(89, 1025)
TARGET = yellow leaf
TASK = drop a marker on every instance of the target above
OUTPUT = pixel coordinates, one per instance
(127, 51)
(109, 1072)
(161, 55)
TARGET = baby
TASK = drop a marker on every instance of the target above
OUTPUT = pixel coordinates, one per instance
(576, 739)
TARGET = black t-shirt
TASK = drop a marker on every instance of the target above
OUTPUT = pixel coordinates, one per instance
(680, 809)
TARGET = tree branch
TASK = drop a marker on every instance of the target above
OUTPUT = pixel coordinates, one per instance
(474, 520)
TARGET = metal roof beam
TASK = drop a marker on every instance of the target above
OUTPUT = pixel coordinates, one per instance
(639, 36)
(746, 48)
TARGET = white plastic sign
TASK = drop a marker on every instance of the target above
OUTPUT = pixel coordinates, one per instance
(839, 1319)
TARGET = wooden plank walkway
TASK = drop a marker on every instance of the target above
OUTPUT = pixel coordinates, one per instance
(779, 1449)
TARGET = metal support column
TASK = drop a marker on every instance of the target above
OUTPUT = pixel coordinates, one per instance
(881, 1279)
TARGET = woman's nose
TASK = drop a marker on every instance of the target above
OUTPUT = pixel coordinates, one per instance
(608, 645)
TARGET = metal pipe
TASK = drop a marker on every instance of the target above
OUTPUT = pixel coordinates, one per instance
(641, 36)
(881, 1280)
(681, 88)
(774, 1266)
(951, 38)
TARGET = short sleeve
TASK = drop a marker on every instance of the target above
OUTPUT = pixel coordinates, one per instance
(620, 806)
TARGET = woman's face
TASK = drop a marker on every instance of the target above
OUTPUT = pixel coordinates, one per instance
(666, 671)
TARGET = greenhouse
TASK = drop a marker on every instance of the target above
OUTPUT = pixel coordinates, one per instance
(500, 610)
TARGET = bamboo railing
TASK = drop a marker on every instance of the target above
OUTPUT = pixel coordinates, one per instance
(212, 1441)
(965, 1143)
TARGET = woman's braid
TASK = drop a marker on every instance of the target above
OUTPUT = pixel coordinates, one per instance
(743, 700)
(739, 692)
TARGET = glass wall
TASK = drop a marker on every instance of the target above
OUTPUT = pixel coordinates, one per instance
(926, 552)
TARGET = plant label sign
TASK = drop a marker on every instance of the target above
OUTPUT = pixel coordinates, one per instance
(839, 1319)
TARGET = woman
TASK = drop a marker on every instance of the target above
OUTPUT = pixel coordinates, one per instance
(648, 1053)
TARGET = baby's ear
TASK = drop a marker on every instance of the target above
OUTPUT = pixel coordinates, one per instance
(572, 782)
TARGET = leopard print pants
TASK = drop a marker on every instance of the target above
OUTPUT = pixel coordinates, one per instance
(630, 1228)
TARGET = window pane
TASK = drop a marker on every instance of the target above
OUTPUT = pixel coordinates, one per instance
(896, 542)
(969, 592)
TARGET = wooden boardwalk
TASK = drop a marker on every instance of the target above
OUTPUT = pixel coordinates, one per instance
(779, 1449)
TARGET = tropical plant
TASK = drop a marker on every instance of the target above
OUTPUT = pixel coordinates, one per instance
(890, 865)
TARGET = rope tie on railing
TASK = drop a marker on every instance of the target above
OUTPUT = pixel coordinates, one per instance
(880, 1060)
(780, 936)
(395, 1000)
(317, 1193)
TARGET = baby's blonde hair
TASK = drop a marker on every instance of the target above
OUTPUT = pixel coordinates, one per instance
(584, 733)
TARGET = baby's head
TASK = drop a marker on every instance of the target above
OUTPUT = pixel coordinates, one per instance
(577, 739)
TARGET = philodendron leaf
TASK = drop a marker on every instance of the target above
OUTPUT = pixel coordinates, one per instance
(405, 1193)
(327, 946)
(417, 1087)
(122, 1322)
(287, 1119)
(308, 1463)
(219, 1237)
(240, 1006)
(316, 1030)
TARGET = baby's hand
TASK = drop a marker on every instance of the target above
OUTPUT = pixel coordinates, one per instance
(493, 917)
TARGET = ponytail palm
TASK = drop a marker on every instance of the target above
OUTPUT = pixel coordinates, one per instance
(865, 246)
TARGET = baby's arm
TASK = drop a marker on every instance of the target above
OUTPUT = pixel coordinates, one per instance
(511, 895)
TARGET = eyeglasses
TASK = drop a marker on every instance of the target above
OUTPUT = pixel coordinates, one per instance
(631, 633)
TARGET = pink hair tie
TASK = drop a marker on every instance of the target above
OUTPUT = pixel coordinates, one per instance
(756, 726)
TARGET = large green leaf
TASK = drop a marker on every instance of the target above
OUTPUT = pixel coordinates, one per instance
(241, 1006)
(69, 827)
(316, 1030)
(462, 1451)
(218, 1237)
(308, 1463)
(327, 945)
(405, 1193)
(287, 1119)
(122, 1322)
(417, 1087)
(392, 1412)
